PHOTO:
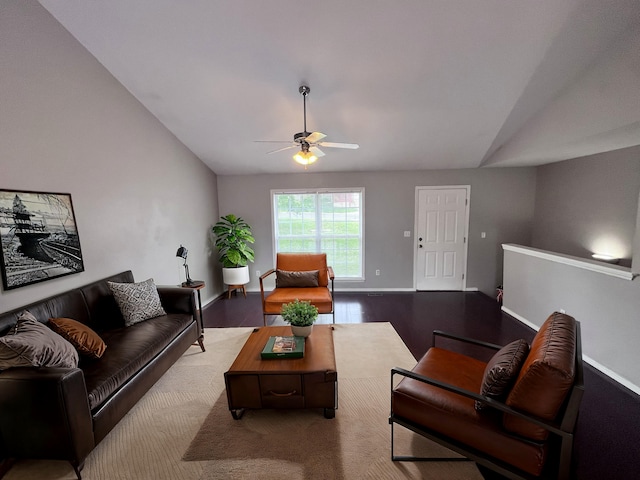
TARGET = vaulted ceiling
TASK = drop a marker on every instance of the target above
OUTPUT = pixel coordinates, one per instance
(418, 84)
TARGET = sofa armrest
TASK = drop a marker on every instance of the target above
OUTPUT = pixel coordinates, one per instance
(178, 300)
(44, 413)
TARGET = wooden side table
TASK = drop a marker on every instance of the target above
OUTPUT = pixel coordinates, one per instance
(198, 285)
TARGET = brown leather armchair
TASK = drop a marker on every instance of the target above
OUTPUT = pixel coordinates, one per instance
(304, 276)
(524, 432)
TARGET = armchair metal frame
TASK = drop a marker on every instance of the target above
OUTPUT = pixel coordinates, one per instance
(561, 436)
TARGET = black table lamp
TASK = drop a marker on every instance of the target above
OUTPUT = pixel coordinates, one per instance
(182, 253)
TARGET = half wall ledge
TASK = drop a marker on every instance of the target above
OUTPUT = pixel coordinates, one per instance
(584, 263)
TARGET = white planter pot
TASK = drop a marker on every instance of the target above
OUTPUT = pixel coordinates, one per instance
(235, 276)
(301, 331)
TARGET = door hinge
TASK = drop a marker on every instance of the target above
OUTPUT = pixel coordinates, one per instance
(464, 240)
(466, 201)
(463, 276)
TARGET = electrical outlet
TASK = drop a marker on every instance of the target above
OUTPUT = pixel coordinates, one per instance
(483, 235)
(378, 273)
(257, 273)
(407, 233)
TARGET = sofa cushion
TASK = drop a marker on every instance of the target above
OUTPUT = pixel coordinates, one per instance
(32, 344)
(102, 308)
(130, 349)
(502, 370)
(85, 340)
(285, 278)
(137, 301)
(545, 377)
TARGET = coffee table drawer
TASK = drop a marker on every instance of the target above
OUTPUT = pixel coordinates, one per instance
(281, 391)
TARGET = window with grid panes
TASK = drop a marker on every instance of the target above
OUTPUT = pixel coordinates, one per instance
(322, 221)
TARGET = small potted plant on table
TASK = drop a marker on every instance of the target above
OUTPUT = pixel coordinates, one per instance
(301, 315)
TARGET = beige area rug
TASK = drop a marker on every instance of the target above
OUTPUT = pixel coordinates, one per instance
(182, 428)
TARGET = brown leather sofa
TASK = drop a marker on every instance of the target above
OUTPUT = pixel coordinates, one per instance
(63, 413)
(525, 432)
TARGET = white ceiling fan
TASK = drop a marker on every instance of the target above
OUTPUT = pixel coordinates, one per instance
(308, 143)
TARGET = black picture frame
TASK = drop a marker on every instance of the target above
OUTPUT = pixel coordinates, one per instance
(39, 237)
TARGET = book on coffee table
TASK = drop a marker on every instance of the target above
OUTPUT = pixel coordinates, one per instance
(283, 347)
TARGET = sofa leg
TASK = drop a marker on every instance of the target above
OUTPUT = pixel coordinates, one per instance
(201, 342)
(5, 465)
(77, 469)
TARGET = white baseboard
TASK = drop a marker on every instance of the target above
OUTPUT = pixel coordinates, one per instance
(349, 289)
(597, 365)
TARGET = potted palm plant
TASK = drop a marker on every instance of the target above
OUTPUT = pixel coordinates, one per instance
(301, 315)
(233, 236)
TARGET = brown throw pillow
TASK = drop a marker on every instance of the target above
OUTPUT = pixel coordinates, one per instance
(86, 341)
(32, 344)
(285, 278)
(502, 370)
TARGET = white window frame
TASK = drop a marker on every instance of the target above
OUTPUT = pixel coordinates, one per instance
(317, 191)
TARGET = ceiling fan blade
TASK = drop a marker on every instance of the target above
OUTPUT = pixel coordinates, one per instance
(282, 149)
(352, 146)
(272, 141)
(316, 151)
(315, 137)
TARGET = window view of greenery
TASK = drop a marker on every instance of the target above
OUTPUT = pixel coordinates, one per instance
(328, 221)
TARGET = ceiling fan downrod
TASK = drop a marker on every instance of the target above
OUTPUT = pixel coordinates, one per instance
(304, 90)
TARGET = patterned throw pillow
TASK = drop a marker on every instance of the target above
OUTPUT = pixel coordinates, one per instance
(86, 341)
(502, 370)
(32, 344)
(137, 301)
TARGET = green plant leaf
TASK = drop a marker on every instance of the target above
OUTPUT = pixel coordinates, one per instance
(232, 236)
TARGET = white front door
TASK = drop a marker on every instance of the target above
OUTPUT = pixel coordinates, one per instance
(441, 230)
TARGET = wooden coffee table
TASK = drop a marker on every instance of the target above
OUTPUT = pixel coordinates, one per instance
(308, 382)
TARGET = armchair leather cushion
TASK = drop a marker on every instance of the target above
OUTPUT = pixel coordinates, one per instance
(546, 377)
(86, 341)
(502, 370)
(32, 344)
(298, 262)
(286, 279)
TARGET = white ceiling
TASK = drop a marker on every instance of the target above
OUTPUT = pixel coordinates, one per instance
(419, 84)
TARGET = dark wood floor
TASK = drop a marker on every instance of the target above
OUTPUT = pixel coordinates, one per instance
(608, 434)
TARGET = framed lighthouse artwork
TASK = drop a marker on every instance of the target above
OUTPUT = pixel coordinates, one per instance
(39, 237)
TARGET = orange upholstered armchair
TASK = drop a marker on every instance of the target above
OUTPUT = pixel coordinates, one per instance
(304, 276)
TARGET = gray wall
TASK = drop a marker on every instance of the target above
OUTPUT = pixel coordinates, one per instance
(589, 205)
(66, 125)
(502, 205)
(606, 306)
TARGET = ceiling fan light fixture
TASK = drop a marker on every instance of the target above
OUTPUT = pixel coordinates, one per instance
(305, 158)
